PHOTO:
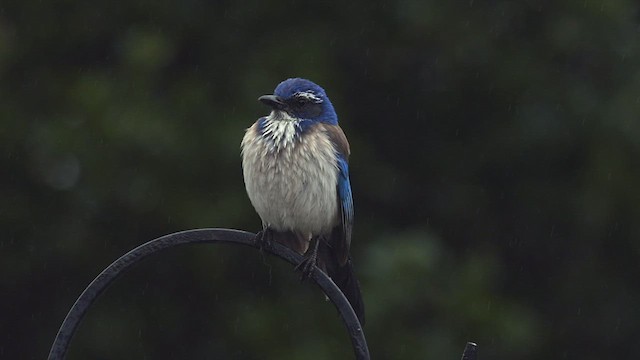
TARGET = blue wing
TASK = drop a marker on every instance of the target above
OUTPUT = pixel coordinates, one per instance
(341, 234)
(346, 203)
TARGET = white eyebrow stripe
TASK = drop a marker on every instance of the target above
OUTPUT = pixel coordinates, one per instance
(309, 95)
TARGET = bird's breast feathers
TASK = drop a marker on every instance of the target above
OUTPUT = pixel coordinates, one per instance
(291, 175)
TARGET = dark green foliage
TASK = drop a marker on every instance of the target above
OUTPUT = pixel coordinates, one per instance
(494, 166)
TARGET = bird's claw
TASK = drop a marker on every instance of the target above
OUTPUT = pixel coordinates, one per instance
(307, 266)
(264, 238)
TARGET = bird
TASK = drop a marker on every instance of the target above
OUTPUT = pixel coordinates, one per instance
(295, 164)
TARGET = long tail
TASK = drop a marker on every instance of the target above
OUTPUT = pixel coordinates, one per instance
(342, 274)
(345, 277)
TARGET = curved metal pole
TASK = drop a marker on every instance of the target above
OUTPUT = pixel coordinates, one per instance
(470, 351)
(108, 275)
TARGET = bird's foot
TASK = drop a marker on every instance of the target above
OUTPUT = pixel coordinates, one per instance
(308, 265)
(264, 238)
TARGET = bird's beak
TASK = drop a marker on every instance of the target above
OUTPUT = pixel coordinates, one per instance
(275, 102)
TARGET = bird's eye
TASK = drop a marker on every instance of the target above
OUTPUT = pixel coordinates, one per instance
(301, 101)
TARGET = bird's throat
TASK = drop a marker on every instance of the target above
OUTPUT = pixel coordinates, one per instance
(282, 131)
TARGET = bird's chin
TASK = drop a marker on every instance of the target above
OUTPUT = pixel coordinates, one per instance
(281, 115)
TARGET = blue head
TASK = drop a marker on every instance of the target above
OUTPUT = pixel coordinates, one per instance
(302, 99)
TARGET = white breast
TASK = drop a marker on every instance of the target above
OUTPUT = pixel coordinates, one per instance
(291, 181)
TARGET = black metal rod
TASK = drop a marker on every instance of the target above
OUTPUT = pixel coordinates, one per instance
(470, 351)
(118, 267)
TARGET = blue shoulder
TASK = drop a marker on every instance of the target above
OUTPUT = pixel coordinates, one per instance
(261, 124)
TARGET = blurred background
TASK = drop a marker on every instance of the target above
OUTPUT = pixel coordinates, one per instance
(495, 168)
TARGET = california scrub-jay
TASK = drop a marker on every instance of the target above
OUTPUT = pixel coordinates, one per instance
(295, 165)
